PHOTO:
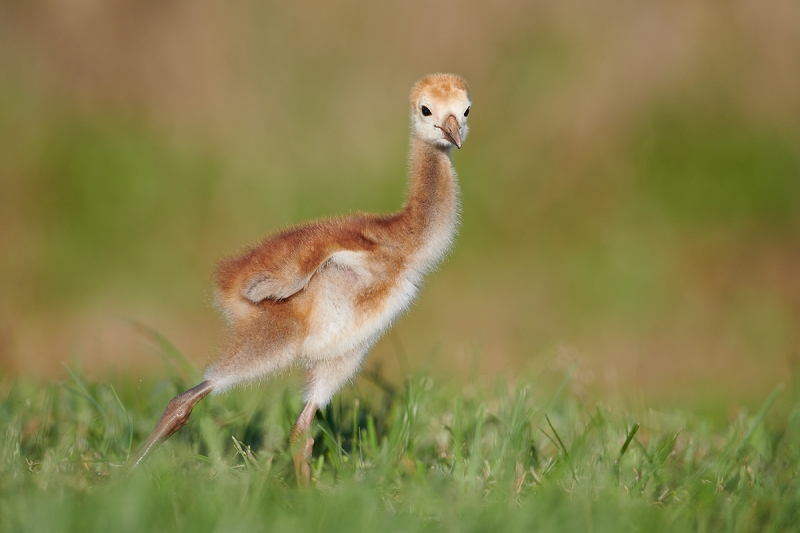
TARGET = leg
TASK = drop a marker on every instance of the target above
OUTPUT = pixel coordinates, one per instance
(322, 382)
(174, 418)
(301, 442)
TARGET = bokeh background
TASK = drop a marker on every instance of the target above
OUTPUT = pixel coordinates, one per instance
(631, 185)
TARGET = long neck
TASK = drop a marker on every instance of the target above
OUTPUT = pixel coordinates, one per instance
(430, 214)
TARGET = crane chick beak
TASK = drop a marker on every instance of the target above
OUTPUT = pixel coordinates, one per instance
(450, 130)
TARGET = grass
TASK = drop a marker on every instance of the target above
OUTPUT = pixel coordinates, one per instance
(427, 456)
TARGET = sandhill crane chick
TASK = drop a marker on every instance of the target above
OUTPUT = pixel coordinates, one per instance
(322, 293)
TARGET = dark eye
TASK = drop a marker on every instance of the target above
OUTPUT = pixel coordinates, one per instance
(466, 113)
(425, 111)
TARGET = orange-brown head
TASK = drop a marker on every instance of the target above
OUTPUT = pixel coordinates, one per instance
(440, 106)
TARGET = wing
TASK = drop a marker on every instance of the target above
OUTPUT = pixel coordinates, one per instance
(273, 286)
(283, 265)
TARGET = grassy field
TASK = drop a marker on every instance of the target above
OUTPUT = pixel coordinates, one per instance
(427, 456)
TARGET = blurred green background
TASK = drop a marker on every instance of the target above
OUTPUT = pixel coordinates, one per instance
(631, 185)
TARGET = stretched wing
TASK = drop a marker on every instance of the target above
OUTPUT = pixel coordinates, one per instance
(276, 286)
(283, 265)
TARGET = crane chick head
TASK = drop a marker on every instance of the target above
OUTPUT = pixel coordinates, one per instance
(439, 109)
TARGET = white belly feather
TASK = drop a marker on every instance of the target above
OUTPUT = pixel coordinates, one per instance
(335, 326)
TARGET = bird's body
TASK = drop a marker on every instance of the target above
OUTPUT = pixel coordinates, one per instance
(327, 290)
(320, 294)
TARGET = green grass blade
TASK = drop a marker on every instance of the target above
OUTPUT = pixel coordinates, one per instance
(83, 391)
(172, 357)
